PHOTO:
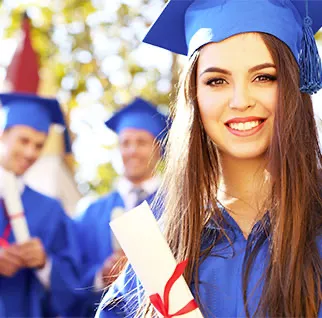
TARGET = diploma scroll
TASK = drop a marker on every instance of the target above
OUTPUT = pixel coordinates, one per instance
(151, 258)
(12, 199)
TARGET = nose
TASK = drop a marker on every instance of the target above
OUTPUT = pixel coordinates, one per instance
(31, 152)
(132, 149)
(241, 98)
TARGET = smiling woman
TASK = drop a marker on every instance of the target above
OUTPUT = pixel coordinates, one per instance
(237, 95)
(243, 202)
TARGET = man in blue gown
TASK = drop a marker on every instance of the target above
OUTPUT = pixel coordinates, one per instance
(36, 277)
(139, 127)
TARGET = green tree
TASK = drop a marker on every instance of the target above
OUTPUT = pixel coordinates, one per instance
(89, 55)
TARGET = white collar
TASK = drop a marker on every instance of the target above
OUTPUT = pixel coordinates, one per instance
(125, 186)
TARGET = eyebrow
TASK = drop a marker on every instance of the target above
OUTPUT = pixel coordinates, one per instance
(223, 71)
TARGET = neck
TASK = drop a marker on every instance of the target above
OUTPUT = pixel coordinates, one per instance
(138, 181)
(243, 188)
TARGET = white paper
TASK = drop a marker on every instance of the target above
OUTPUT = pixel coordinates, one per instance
(150, 256)
(12, 200)
(116, 213)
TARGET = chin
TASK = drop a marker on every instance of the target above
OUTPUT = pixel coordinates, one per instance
(246, 154)
(134, 176)
(20, 172)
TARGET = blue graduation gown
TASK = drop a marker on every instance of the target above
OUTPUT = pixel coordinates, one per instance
(95, 237)
(23, 295)
(220, 277)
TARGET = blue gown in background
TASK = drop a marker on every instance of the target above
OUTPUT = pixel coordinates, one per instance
(23, 295)
(220, 276)
(95, 238)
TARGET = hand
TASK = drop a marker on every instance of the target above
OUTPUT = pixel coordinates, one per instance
(10, 261)
(112, 267)
(33, 253)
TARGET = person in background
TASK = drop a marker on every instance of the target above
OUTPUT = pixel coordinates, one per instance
(140, 128)
(242, 205)
(35, 277)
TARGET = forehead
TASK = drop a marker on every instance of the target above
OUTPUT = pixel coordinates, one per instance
(133, 133)
(27, 132)
(238, 52)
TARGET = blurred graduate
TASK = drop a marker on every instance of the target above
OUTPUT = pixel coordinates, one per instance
(141, 128)
(35, 276)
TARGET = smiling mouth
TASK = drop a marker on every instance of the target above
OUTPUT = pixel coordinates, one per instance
(249, 125)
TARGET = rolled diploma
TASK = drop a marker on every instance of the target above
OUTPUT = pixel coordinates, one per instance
(150, 256)
(116, 213)
(12, 199)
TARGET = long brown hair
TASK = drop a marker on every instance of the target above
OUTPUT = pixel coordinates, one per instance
(293, 278)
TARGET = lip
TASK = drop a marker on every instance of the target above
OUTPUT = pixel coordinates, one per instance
(246, 133)
(243, 119)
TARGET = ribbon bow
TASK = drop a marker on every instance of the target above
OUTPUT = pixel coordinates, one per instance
(162, 306)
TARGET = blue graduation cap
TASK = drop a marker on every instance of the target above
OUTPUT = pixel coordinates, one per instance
(33, 111)
(185, 26)
(139, 114)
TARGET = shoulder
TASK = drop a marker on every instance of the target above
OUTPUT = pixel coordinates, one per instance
(102, 205)
(124, 296)
(32, 196)
(113, 198)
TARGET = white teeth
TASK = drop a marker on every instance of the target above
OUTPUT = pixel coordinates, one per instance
(244, 126)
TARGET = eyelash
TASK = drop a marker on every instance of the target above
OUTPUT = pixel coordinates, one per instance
(267, 78)
(212, 81)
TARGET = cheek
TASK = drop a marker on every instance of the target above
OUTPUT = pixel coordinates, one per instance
(37, 153)
(123, 153)
(16, 150)
(145, 153)
(269, 100)
(210, 113)
(211, 106)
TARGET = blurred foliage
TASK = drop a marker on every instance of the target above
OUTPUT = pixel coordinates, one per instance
(105, 177)
(67, 33)
(78, 42)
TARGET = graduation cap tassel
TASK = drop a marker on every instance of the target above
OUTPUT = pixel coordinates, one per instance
(310, 61)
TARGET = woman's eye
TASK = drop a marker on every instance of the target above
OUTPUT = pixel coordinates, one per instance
(215, 81)
(265, 78)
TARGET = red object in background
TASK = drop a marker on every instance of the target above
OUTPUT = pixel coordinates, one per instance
(23, 71)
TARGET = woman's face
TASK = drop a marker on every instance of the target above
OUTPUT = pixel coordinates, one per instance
(237, 94)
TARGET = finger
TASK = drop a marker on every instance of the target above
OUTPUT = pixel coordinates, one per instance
(13, 258)
(31, 250)
(38, 260)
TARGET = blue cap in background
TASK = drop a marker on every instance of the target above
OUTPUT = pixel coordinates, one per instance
(33, 111)
(139, 114)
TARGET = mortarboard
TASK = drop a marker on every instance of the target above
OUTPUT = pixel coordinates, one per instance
(33, 111)
(185, 26)
(139, 114)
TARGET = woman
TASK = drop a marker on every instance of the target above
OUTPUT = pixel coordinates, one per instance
(242, 195)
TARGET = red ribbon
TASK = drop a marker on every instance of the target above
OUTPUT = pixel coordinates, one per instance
(5, 236)
(163, 306)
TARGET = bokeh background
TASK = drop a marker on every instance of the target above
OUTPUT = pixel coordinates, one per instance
(88, 54)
